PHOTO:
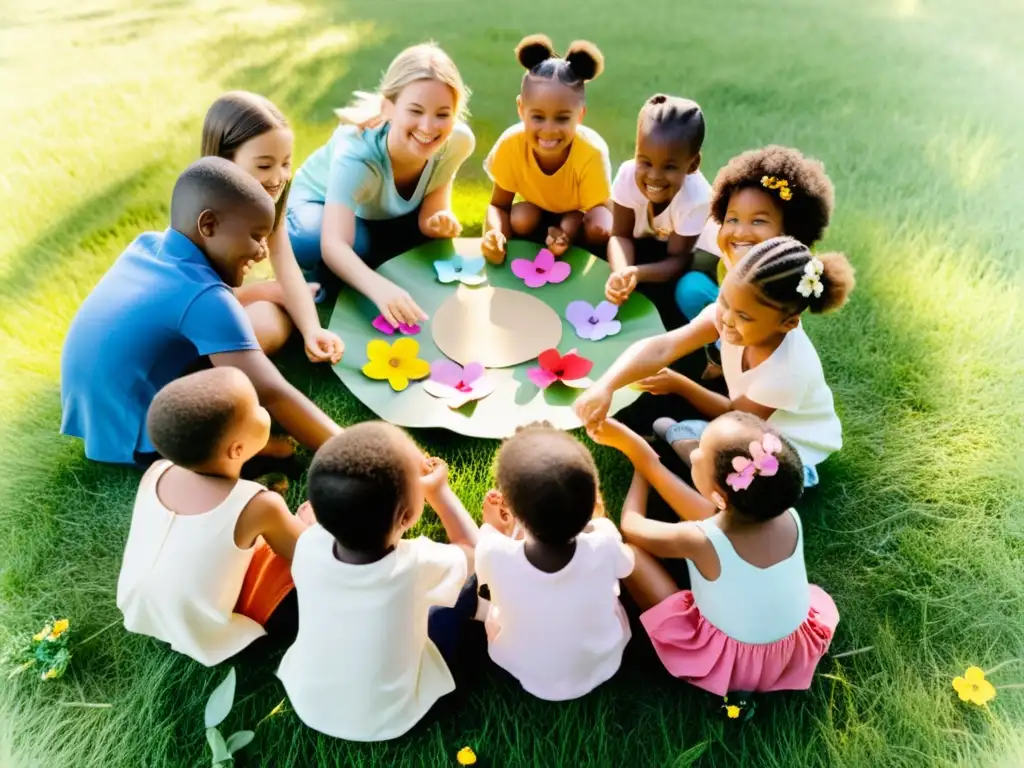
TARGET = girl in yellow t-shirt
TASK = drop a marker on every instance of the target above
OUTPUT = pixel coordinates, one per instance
(558, 167)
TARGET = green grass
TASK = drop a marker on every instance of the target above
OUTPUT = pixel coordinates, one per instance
(918, 531)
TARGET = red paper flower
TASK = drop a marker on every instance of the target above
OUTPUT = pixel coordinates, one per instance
(554, 367)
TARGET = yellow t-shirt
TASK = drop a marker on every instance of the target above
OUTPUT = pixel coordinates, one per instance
(583, 182)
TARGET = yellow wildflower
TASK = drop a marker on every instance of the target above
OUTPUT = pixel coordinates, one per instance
(59, 628)
(785, 194)
(396, 363)
(466, 756)
(973, 687)
(732, 711)
(42, 633)
(50, 674)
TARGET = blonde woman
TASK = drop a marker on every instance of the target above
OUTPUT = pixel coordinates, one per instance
(383, 182)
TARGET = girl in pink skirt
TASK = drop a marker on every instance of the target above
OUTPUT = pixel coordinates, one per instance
(751, 621)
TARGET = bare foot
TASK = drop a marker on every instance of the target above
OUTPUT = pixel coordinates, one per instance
(280, 447)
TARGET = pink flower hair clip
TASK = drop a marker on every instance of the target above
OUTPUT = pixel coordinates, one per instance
(762, 461)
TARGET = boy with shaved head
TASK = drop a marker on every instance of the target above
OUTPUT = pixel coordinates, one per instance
(164, 307)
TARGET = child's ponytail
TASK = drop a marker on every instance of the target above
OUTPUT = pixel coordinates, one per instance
(585, 60)
(791, 277)
(838, 280)
(534, 50)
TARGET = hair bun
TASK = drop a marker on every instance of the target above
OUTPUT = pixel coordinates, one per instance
(534, 50)
(585, 60)
(839, 280)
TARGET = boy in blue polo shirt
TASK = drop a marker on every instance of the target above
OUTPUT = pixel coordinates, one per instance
(167, 303)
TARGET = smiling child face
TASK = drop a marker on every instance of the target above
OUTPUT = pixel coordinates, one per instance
(751, 217)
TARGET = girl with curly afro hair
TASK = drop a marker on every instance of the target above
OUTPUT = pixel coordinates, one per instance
(771, 367)
(759, 194)
(559, 168)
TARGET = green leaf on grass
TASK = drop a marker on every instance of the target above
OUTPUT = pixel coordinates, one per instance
(218, 746)
(220, 701)
(239, 739)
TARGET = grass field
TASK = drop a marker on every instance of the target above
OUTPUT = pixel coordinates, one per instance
(918, 531)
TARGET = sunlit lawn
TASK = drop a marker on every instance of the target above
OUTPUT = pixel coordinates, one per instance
(918, 531)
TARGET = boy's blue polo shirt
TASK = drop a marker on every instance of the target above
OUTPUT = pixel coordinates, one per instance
(159, 308)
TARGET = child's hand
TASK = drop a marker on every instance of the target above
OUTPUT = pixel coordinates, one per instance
(620, 285)
(664, 382)
(592, 406)
(614, 434)
(496, 515)
(442, 224)
(434, 476)
(396, 304)
(323, 346)
(493, 246)
(557, 241)
(305, 513)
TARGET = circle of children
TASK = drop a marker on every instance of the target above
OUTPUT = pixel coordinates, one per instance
(166, 367)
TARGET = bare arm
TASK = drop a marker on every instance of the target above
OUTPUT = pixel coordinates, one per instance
(297, 298)
(647, 357)
(267, 515)
(437, 201)
(337, 234)
(683, 499)
(462, 530)
(289, 407)
(658, 538)
(675, 263)
(712, 404)
(620, 246)
(499, 211)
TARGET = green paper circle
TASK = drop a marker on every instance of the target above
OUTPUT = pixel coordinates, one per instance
(516, 400)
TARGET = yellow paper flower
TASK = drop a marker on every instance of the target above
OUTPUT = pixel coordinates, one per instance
(59, 628)
(732, 711)
(42, 633)
(395, 363)
(973, 687)
(785, 194)
(466, 756)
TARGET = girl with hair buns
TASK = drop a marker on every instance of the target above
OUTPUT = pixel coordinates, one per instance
(771, 367)
(557, 167)
(383, 183)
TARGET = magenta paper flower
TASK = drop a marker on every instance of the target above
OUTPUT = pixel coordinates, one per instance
(456, 385)
(384, 326)
(542, 270)
(593, 323)
(571, 369)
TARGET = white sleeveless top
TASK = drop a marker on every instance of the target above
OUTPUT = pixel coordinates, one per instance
(750, 604)
(182, 574)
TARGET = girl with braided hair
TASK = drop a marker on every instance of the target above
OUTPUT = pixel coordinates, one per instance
(771, 367)
(558, 167)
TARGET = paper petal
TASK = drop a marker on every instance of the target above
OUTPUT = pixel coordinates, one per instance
(472, 373)
(445, 271)
(579, 313)
(441, 391)
(471, 265)
(522, 268)
(472, 279)
(405, 349)
(549, 360)
(583, 383)
(559, 272)
(575, 367)
(383, 325)
(603, 330)
(545, 260)
(446, 372)
(378, 350)
(409, 330)
(541, 378)
(605, 311)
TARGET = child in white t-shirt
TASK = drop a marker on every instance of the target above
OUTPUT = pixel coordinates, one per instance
(555, 621)
(660, 205)
(771, 367)
(379, 615)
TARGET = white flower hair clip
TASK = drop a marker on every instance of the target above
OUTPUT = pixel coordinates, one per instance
(811, 281)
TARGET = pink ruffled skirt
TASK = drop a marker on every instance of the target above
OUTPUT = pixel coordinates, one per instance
(693, 649)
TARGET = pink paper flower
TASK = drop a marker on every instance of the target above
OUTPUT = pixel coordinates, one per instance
(384, 326)
(542, 270)
(570, 369)
(456, 385)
